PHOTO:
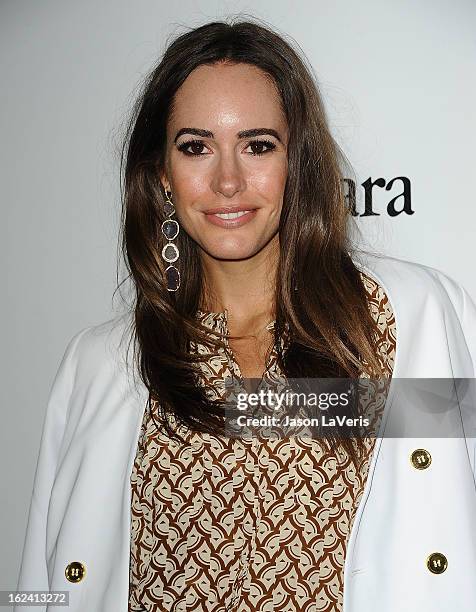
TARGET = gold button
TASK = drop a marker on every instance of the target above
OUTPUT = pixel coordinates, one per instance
(75, 571)
(420, 459)
(437, 563)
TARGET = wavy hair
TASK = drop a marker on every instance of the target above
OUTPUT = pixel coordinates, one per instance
(331, 328)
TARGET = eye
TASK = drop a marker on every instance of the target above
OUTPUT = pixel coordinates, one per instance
(197, 146)
(260, 143)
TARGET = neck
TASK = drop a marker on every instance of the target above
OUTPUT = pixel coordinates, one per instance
(245, 287)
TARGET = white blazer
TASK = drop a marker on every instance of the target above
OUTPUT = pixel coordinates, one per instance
(80, 507)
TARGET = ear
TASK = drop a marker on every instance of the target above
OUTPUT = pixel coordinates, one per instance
(163, 180)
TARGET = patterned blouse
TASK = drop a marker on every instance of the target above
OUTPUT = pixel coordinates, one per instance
(224, 524)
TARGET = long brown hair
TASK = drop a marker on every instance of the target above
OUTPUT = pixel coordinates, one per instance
(332, 330)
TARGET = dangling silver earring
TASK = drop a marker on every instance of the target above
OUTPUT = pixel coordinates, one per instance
(170, 253)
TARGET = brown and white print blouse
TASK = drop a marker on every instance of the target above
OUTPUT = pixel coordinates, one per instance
(223, 524)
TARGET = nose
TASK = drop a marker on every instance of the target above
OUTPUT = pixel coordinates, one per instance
(228, 176)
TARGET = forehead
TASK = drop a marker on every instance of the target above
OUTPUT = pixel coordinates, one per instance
(226, 96)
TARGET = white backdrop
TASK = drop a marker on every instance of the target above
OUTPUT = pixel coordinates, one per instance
(398, 83)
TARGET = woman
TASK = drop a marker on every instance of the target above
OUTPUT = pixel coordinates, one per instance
(236, 236)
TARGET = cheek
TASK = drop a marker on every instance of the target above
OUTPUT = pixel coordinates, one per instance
(272, 182)
(188, 183)
(191, 193)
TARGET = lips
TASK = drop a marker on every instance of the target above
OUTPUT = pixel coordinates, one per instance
(234, 222)
(223, 209)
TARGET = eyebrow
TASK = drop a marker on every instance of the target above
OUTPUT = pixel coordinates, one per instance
(242, 134)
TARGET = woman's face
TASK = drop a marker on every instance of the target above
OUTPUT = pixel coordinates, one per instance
(227, 148)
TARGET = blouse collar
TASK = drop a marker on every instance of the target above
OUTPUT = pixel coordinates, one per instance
(210, 317)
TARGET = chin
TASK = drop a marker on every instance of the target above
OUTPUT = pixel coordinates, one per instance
(231, 251)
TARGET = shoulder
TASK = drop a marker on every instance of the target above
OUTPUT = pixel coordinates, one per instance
(100, 350)
(404, 281)
(393, 269)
